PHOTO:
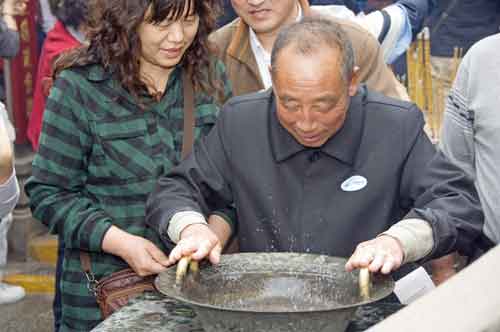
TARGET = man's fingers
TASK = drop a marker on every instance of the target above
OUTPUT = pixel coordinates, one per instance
(214, 255)
(175, 255)
(367, 256)
(362, 257)
(378, 255)
(354, 261)
(204, 249)
(377, 262)
(389, 265)
(181, 249)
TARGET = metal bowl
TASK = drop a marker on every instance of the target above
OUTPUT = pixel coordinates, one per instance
(262, 292)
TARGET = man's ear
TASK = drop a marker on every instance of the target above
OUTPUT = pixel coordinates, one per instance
(354, 83)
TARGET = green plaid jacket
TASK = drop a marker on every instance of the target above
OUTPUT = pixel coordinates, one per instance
(99, 158)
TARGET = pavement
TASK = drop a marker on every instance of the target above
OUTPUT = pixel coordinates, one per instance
(34, 312)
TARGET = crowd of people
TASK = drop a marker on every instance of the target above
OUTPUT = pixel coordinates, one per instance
(301, 138)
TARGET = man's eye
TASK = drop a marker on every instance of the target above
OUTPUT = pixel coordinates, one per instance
(291, 107)
(322, 108)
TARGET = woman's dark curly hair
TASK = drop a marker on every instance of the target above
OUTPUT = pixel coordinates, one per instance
(115, 44)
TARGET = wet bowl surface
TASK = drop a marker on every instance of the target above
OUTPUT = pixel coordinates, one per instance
(273, 292)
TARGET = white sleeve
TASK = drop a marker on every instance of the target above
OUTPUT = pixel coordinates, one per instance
(181, 220)
(415, 236)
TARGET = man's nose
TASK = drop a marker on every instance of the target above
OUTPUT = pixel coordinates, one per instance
(306, 123)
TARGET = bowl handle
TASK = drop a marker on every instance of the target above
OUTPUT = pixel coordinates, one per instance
(182, 268)
(364, 283)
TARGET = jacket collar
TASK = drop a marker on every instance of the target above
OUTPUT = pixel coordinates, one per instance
(239, 47)
(342, 146)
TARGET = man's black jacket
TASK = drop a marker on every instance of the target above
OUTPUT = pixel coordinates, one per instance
(379, 168)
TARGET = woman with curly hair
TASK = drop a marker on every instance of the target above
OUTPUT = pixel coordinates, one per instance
(113, 124)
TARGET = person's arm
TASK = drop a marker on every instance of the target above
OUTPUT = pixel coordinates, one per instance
(59, 171)
(440, 193)
(57, 185)
(9, 36)
(9, 40)
(11, 8)
(9, 188)
(177, 207)
(457, 143)
(224, 216)
(446, 213)
(406, 241)
(6, 153)
(457, 131)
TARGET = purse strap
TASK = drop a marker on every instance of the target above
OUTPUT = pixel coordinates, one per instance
(188, 131)
(187, 146)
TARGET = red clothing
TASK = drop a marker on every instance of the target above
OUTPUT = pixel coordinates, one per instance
(58, 40)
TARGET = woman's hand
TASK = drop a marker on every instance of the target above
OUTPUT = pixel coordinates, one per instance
(199, 242)
(382, 254)
(140, 254)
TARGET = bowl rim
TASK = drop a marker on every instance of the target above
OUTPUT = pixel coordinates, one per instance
(387, 278)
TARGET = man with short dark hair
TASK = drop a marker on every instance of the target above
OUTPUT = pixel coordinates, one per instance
(245, 44)
(318, 164)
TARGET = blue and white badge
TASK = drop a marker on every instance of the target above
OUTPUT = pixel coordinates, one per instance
(354, 183)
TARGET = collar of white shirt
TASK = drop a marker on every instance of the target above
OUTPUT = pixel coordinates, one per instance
(263, 57)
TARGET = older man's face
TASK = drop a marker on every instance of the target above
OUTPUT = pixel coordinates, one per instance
(311, 96)
(266, 16)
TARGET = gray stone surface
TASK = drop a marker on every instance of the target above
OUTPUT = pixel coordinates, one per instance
(152, 313)
(33, 313)
(156, 313)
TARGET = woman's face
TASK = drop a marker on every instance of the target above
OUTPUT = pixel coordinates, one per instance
(164, 44)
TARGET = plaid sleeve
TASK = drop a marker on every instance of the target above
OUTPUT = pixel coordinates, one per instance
(56, 187)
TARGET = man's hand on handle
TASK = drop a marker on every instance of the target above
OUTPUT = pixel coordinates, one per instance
(383, 254)
(199, 242)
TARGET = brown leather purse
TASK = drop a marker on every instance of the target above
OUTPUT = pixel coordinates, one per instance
(115, 291)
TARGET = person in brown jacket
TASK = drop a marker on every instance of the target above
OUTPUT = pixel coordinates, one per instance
(245, 44)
